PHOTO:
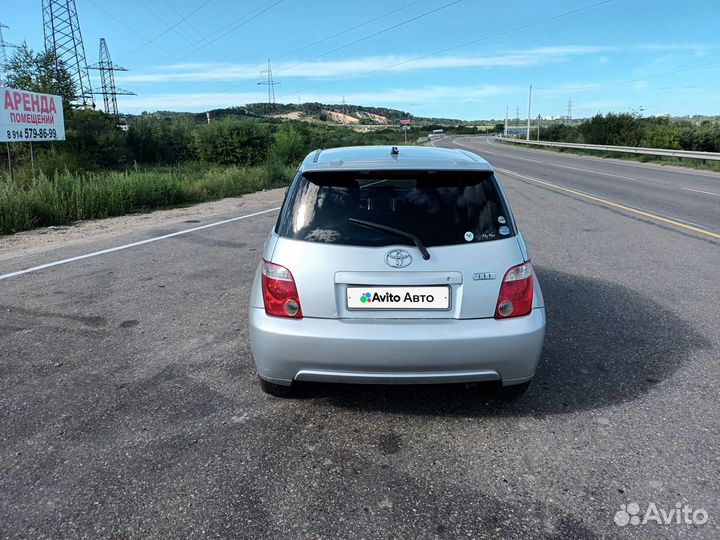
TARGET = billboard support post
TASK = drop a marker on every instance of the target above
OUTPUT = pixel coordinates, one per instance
(32, 159)
(9, 161)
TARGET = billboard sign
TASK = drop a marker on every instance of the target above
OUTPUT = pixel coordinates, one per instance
(28, 116)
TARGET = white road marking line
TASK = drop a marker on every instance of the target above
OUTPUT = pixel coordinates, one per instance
(700, 191)
(623, 162)
(597, 172)
(667, 216)
(645, 213)
(134, 244)
(568, 166)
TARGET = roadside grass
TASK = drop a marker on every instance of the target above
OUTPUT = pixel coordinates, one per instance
(713, 166)
(67, 197)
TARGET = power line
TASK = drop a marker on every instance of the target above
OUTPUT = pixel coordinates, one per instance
(461, 45)
(342, 32)
(364, 38)
(234, 25)
(123, 24)
(164, 16)
(4, 45)
(630, 81)
(249, 16)
(171, 27)
(375, 34)
(238, 23)
(263, 7)
(188, 24)
(396, 64)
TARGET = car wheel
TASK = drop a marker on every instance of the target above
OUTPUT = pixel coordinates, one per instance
(514, 391)
(277, 390)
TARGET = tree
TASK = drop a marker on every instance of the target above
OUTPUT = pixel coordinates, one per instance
(93, 141)
(39, 72)
(158, 139)
(289, 146)
(560, 133)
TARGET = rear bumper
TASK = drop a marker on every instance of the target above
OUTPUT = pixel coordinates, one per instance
(397, 351)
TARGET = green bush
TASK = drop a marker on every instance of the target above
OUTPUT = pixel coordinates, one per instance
(232, 141)
(612, 129)
(289, 145)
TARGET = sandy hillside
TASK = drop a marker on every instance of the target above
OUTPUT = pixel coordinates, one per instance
(376, 117)
(295, 115)
(341, 118)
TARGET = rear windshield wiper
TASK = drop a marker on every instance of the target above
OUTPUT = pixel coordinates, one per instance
(395, 232)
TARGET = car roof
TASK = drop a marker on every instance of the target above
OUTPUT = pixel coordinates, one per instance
(393, 157)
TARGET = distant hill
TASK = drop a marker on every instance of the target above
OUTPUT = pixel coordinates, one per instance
(358, 116)
(341, 114)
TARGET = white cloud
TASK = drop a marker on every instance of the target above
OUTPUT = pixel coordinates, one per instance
(243, 77)
(669, 47)
(657, 64)
(566, 89)
(356, 67)
(589, 108)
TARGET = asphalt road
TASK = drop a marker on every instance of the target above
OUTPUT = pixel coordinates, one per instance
(129, 405)
(683, 194)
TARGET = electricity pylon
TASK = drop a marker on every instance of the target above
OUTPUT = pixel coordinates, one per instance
(271, 86)
(107, 81)
(62, 37)
(4, 45)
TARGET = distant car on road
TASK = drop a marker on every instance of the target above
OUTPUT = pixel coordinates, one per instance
(395, 265)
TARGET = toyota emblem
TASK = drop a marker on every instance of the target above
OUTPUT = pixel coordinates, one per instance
(398, 258)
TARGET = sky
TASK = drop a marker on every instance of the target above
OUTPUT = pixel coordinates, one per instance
(466, 59)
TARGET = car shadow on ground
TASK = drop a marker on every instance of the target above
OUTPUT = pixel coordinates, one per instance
(605, 344)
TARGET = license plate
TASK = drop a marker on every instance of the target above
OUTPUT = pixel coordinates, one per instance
(398, 297)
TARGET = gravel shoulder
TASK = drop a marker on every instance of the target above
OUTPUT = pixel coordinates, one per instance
(88, 232)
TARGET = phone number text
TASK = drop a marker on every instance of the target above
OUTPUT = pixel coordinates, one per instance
(27, 134)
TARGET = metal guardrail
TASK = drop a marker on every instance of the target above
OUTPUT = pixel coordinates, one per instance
(711, 156)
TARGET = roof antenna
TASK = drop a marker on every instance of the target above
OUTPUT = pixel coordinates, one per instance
(394, 151)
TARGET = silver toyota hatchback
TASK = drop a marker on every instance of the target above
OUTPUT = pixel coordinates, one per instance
(395, 265)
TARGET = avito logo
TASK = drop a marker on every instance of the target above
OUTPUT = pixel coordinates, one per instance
(389, 297)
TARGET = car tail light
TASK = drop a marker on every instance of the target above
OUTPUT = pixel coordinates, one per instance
(279, 292)
(516, 292)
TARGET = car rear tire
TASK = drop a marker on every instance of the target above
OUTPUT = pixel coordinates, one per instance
(276, 390)
(514, 391)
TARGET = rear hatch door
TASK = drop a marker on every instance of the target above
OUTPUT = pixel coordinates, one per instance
(344, 269)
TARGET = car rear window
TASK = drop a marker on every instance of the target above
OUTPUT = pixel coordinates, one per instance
(439, 207)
